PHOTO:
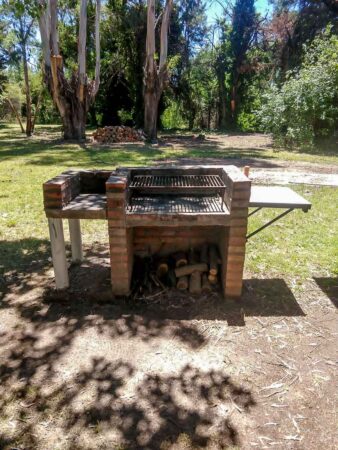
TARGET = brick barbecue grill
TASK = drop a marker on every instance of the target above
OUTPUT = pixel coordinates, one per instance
(158, 211)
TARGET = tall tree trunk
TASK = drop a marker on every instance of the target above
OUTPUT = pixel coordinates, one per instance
(23, 38)
(37, 109)
(150, 114)
(234, 100)
(222, 101)
(28, 98)
(74, 96)
(155, 78)
(17, 115)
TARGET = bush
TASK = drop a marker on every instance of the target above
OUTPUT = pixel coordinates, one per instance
(247, 122)
(172, 117)
(306, 105)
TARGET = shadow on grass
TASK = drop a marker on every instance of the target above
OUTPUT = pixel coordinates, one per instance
(330, 288)
(44, 149)
(322, 147)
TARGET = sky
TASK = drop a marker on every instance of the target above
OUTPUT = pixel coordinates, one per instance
(215, 9)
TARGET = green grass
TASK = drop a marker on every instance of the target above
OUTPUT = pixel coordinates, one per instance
(300, 245)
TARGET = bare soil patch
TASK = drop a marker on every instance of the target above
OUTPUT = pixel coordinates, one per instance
(250, 148)
(82, 370)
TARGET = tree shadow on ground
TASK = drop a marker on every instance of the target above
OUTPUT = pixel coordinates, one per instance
(192, 405)
(330, 288)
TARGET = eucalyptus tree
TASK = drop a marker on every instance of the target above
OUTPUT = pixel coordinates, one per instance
(155, 74)
(74, 93)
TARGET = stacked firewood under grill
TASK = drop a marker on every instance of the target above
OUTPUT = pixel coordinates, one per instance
(195, 271)
(118, 134)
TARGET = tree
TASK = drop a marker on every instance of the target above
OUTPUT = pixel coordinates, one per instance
(303, 20)
(21, 23)
(305, 106)
(238, 27)
(332, 5)
(123, 57)
(191, 37)
(241, 37)
(72, 96)
(155, 75)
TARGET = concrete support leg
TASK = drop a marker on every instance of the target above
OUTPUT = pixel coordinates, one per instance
(75, 240)
(58, 253)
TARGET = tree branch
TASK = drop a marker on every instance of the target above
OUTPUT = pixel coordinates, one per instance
(164, 34)
(97, 48)
(54, 37)
(82, 42)
(44, 26)
(150, 45)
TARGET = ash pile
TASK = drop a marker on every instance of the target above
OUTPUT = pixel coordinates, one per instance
(120, 133)
(196, 271)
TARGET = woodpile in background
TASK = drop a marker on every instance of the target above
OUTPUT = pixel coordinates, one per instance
(196, 271)
(118, 134)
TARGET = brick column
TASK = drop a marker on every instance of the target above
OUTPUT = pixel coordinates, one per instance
(120, 237)
(60, 190)
(240, 188)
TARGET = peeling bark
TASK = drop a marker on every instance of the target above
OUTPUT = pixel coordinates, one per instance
(71, 96)
(155, 76)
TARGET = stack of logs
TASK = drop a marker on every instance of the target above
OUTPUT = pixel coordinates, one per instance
(118, 134)
(195, 271)
(199, 272)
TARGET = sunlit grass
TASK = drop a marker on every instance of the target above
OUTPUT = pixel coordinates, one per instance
(300, 244)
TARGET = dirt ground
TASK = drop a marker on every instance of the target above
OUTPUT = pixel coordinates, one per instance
(250, 149)
(82, 370)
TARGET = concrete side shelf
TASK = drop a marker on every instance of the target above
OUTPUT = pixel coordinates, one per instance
(83, 206)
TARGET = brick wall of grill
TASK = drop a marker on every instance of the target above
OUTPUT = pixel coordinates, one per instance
(231, 240)
(167, 240)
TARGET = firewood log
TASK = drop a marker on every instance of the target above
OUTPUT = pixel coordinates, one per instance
(180, 259)
(189, 269)
(206, 286)
(212, 279)
(213, 260)
(195, 283)
(183, 283)
(162, 267)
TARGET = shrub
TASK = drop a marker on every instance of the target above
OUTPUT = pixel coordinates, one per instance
(306, 105)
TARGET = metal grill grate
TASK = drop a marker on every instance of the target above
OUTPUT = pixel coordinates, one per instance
(177, 181)
(176, 205)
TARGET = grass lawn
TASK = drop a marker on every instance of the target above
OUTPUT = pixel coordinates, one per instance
(300, 245)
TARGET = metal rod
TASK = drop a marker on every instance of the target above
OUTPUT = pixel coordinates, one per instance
(269, 223)
(254, 211)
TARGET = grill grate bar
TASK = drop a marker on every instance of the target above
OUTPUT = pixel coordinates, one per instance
(176, 205)
(177, 181)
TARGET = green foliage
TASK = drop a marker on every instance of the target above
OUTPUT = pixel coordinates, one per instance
(125, 116)
(172, 116)
(247, 122)
(306, 105)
